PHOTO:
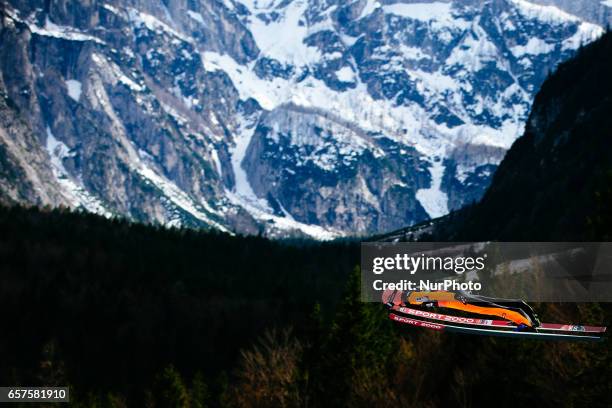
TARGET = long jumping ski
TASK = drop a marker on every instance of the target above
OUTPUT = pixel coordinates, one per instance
(491, 332)
(495, 323)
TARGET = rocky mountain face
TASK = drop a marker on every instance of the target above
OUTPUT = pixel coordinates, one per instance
(318, 117)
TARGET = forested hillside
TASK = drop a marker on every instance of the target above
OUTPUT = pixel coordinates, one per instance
(132, 315)
(118, 302)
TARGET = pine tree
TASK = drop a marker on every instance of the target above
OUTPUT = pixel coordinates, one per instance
(357, 357)
(314, 338)
(170, 390)
(199, 394)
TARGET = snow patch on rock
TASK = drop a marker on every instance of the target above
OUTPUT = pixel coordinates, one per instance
(51, 29)
(433, 199)
(437, 11)
(280, 32)
(196, 16)
(345, 74)
(72, 189)
(535, 46)
(242, 187)
(74, 89)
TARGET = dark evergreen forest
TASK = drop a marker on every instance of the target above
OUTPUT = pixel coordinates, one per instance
(134, 315)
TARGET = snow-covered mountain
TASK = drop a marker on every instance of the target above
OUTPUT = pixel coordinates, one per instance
(269, 116)
(595, 11)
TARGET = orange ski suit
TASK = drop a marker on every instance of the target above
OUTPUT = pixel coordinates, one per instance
(448, 300)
